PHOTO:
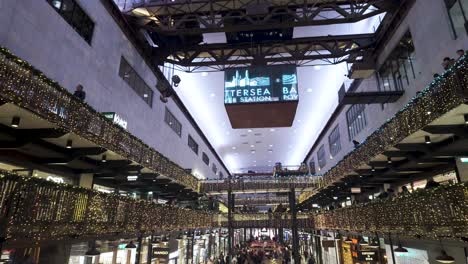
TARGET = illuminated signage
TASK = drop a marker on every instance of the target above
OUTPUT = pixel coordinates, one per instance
(116, 119)
(55, 179)
(367, 256)
(260, 84)
(161, 253)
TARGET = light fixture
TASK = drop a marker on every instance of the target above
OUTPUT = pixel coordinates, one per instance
(465, 117)
(93, 251)
(348, 240)
(264, 230)
(444, 258)
(234, 148)
(400, 249)
(363, 242)
(131, 245)
(335, 198)
(69, 144)
(104, 158)
(249, 130)
(15, 121)
(427, 139)
(429, 112)
(164, 239)
(373, 169)
(389, 160)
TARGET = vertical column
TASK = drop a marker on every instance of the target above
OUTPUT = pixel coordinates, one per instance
(114, 253)
(138, 250)
(230, 221)
(295, 235)
(86, 180)
(149, 254)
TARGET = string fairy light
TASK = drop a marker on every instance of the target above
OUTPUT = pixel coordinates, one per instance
(443, 94)
(27, 87)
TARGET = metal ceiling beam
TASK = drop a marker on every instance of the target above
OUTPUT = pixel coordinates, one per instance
(208, 16)
(299, 51)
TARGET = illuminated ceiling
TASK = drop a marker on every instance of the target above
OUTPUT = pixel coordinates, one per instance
(259, 149)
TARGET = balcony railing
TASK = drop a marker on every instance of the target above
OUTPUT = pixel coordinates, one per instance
(219, 186)
(33, 210)
(271, 220)
(23, 85)
(435, 213)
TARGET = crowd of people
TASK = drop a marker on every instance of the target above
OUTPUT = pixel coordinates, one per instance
(271, 252)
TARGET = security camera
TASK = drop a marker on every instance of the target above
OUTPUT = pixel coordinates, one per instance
(176, 80)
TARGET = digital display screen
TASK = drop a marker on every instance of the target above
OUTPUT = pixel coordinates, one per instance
(260, 84)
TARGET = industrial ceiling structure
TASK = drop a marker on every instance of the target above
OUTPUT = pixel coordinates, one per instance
(198, 39)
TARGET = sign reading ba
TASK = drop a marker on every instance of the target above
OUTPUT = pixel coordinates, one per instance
(116, 119)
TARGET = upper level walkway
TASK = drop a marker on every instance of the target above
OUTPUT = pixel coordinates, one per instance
(50, 115)
(260, 185)
(35, 211)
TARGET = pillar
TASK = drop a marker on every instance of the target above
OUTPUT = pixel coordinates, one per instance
(138, 250)
(114, 253)
(86, 180)
(231, 205)
(295, 235)
(149, 255)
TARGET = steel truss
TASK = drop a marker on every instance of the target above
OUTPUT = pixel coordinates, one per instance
(208, 16)
(301, 52)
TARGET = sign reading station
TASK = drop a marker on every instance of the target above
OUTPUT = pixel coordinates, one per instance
(260, 84)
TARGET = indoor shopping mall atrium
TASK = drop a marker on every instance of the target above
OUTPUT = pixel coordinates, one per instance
(233, 131)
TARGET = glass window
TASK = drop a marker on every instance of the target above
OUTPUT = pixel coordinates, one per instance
(321, 157)
(334, 141)
(171, 121)
(357, 121)
(130, 76)
(312, 166)
(75, 16)
(205, 158)
(192, 144)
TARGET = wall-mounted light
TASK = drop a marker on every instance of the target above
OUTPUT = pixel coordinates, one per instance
(373, 169)
(389, 160)
(427, 139)
(132, 177)
(15, 121)
(465, 117)
(69, 144)
(131, 245)
(444, 258)
(104, 158)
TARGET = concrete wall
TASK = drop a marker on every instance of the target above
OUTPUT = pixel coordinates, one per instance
(34, 31)
(429, 25)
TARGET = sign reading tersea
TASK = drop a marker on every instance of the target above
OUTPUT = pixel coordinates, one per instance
(260, 84)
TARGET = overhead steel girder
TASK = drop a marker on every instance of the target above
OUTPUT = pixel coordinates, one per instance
(208, 16)
(300, 51)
